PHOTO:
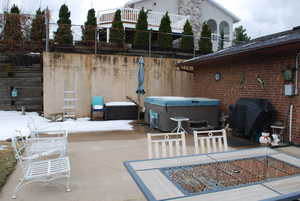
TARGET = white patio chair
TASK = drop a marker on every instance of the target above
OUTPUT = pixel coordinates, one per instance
(36, 146)
(210, 141)
(40, 170)
(165, 143)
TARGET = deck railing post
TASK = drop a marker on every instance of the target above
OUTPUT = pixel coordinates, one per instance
(96, 36)
(194, 49)
(47, 29)
(150, 42)
(107, 34)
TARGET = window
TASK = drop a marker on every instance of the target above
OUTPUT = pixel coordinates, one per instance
(225, 27)
(213, 28)
(212, 25)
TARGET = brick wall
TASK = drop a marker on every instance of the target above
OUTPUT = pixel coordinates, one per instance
(229, 89)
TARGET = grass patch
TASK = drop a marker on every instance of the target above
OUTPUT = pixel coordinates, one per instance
(7, 163)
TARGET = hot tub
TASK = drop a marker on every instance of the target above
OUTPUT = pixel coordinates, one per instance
(159, 110)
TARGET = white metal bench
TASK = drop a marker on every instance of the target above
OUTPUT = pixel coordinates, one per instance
(52, 139)
(166, 145)
(39, 170)
(210, 141)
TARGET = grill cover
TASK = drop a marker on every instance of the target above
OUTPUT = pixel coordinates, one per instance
(250, 116)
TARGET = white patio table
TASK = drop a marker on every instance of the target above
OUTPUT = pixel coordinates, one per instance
(153, 179)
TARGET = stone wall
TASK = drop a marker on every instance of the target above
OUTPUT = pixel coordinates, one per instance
(111, 76)
(201, 11)
(193, 8)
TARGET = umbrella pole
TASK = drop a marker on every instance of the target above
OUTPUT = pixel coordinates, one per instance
(139, 107)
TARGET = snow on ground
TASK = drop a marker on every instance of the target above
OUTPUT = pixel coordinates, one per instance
(13, 120)
(119, 104)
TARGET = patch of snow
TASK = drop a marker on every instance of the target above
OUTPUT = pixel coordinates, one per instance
(34, 53)
(222, 50)
(12, 120)
(98, 107)
(168, 97)
(249, 44)
(281, 37)
(178, 98)
(119, 104)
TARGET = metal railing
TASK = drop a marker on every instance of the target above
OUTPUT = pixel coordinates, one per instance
(99, 41)
(130, 15)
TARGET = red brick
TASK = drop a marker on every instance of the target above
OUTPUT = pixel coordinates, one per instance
(228, 89)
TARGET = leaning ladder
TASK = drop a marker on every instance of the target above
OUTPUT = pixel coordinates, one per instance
(70, 98)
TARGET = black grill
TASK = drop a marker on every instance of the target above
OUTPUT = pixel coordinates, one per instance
(249, 117)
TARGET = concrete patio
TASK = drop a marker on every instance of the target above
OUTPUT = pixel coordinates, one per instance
(97, 170)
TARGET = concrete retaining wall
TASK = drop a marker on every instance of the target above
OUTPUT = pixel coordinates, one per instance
(111, 76)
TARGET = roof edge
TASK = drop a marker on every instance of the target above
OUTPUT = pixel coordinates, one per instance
(210, 57)
(133, 2)
(235, 18)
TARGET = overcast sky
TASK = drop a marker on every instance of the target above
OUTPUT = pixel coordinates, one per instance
(259, 17)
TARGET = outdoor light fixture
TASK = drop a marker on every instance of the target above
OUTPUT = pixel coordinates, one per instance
(288, 75)
(14, 92)
(218, 76)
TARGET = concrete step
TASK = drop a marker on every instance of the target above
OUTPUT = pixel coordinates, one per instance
(10, 68)
(21, 82)
(20, 74)
(28, 108)
(4, 58)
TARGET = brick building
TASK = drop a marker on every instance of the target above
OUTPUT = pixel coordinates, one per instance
(253, 70)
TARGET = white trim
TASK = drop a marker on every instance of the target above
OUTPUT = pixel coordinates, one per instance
(222, 8)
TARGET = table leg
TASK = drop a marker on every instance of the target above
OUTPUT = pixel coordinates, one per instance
(175, 129)
(179, 127)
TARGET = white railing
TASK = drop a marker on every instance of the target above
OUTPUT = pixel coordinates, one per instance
(216, 37)
(130, 15)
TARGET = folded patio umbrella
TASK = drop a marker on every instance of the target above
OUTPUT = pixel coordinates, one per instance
(140, 89)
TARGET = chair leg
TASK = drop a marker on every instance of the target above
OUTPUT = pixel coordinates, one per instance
(68, 189)
(18, 188)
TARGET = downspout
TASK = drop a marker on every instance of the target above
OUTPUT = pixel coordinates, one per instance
(296, 92)
(291, 123)
(297, 74)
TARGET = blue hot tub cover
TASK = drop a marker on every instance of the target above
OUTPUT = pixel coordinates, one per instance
(181, 101)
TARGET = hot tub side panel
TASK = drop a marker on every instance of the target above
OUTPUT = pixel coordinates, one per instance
(194, 113)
